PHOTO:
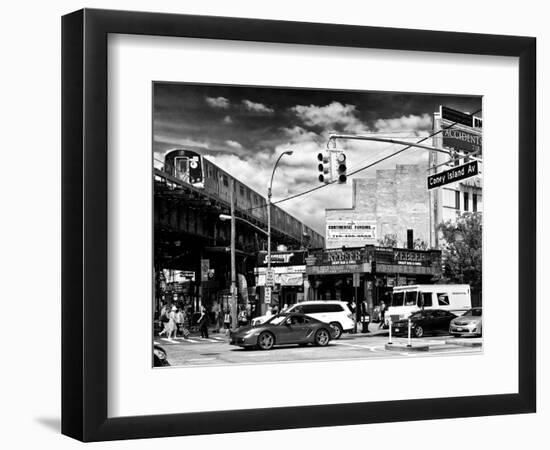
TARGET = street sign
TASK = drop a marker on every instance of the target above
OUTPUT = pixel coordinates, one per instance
(267, 296)
(269, 278)
(455, 174)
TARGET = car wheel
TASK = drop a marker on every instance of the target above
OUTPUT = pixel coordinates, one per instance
(337, 330)
(418, 331)
(322, 337)
(266, 341)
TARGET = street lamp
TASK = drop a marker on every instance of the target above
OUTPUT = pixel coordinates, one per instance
(269, 189)
(224, 217)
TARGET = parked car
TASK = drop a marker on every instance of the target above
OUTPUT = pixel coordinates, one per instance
(283, 329)
(159, 357)
(469, 324)
(422, 322)
(335, 313)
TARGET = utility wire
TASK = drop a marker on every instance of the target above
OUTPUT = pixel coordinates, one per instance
(368, 165)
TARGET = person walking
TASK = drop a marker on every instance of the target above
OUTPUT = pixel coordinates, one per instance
(382, 314)
(204, 322)
(227, 321)
(180, 320)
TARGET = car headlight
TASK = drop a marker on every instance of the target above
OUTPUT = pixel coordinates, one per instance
(251, 333)
(159, 354)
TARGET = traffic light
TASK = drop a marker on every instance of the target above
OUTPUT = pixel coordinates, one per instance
(324, 167)
(341, 161)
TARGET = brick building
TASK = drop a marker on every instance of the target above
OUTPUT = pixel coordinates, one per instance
(394, 201)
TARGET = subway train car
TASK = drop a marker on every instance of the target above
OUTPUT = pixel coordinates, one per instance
(190, 167)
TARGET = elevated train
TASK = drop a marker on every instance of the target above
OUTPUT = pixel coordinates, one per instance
(190, 167)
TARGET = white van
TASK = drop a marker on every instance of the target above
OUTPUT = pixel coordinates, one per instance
(406, 300)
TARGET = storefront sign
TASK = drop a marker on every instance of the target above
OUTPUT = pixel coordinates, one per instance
(292, 258)
(462, 140)
(284, 276)
(335, 257)
(455, 174)
(338, 269)
(411, 258)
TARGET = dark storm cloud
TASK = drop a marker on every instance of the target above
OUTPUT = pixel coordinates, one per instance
(243, 129)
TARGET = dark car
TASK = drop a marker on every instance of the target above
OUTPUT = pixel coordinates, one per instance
(283, 329)
(159, 357)
(423, 322)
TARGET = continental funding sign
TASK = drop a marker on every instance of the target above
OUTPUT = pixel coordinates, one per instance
(455, 174)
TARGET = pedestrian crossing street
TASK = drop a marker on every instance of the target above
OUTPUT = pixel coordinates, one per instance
(190, 340)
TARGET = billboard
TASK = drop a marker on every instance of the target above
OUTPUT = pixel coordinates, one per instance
(352, 233)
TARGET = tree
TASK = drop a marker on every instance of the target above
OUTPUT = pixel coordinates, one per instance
(389, 240)
(461, 250)
(419, 244)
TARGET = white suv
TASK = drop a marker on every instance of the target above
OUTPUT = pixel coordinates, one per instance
(333, 312)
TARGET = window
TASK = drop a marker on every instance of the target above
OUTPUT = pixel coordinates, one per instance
(466, 201)
(241, 190)
(425, 299)
(443, 299)
(474, 202)
(397, 299)
(225, 180)
(457, 200)
(410, 298)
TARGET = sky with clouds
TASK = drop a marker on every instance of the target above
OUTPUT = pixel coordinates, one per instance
(244, 129)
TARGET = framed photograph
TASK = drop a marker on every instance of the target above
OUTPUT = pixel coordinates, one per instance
(288, 225)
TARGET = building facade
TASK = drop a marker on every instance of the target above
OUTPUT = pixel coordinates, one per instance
(389, 204)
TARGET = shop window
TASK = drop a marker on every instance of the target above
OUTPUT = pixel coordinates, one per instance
(443, 299)
(466, 201)
(474, 202)
(457, 199)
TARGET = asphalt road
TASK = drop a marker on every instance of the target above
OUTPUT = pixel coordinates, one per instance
(216, 350)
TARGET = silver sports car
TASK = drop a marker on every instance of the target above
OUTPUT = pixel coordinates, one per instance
(283, 329)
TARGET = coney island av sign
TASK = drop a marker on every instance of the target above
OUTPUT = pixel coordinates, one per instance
(455, 174)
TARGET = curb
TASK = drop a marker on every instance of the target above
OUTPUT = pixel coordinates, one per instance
(412, 348)
(464, 343)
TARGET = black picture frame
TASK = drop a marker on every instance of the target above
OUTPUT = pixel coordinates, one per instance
(84, 224)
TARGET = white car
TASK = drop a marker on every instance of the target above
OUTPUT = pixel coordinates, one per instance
(335, 313)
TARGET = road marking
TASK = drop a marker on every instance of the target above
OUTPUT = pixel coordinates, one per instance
(209, 339)
(201, 359)
(187, 340)
(169, 340)
(372, 348)
(156, 343)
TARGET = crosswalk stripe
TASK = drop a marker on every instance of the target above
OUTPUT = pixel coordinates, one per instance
(169, 340)
(156, 343)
